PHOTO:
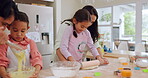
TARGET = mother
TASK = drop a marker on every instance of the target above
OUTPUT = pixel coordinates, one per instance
(8, 11)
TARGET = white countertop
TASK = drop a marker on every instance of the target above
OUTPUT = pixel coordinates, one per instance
(107, 71)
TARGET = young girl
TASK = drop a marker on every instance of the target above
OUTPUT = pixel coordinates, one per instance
(18, 29)
(93, 29)
(76, 37)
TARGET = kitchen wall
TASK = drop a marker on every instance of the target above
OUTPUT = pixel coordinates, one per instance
(65, 9)
(68, 8)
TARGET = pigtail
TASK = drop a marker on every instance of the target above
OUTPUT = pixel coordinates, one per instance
(66, 22)
(74, 31)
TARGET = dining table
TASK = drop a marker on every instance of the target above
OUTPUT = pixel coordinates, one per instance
(105, 71)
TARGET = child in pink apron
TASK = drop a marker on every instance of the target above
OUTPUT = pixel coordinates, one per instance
(18, 31)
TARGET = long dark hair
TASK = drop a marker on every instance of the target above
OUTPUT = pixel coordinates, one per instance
(93, 29)
(81, 15)
(8, 8)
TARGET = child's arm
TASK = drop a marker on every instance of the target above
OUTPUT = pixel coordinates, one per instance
(62, 58)
(94, 50)
(3, 72)
(100, 52)
(60, 55)
(90, 44)
(64, 43)
(105, 61)
(36, 59)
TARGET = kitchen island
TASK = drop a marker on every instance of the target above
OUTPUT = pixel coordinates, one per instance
(107, 71)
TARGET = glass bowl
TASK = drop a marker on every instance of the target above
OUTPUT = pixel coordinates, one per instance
(65, 68)
(25, 73)
(142, 62)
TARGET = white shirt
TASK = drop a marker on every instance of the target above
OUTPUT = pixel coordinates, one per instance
(60, 33)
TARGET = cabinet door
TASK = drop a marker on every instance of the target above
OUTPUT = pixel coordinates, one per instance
(47, 59)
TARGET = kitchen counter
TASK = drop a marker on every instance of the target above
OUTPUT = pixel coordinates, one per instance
(107, 71)
(114, 54)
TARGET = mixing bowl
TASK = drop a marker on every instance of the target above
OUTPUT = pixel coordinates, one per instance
(142, 62)
(65, 68)
(25, 73)
(141, 59)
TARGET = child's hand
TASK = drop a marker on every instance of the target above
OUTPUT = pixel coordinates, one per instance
(70, 58)
(103, 61)
(35, 74)
(37, 71)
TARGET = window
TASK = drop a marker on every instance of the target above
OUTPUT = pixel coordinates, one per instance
(105, 33)
(104, 16)
(105, 26)
(145, 21)
(124, 18)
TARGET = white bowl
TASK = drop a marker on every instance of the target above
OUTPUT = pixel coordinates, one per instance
(65, 68)
(142, 62)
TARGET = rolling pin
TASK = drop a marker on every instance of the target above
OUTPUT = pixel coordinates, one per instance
(90, 64)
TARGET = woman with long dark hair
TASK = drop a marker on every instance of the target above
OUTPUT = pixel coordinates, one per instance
(93, 29)
(8, 11)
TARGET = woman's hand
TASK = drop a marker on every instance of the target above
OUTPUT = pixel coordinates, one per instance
(103, 61)
(6, 76)
(3, 72)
